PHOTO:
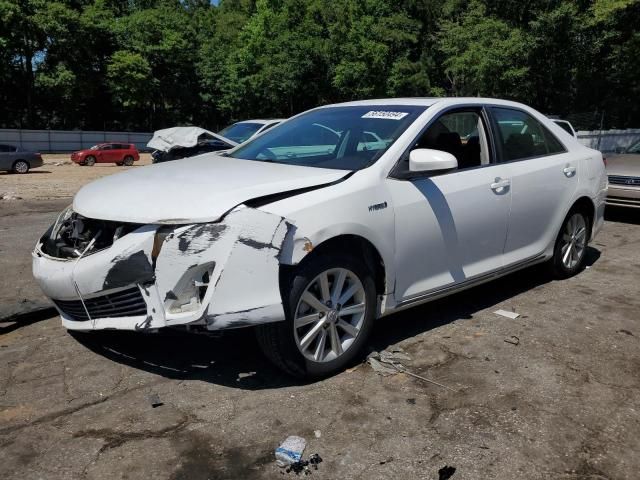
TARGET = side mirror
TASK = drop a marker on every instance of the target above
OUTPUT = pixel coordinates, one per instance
(427, 160)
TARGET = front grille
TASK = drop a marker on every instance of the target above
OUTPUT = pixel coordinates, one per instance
(125, 303)
(623, 180)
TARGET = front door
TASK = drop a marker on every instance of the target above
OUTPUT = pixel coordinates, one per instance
(451, 227)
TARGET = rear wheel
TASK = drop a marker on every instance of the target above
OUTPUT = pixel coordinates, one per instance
(20, 166)
(329, 308)
(128, 161)
(571, 245)
(90, 161)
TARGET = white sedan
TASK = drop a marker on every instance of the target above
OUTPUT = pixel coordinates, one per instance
(311, 231)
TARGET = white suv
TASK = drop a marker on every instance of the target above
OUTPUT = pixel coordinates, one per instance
(312, 230)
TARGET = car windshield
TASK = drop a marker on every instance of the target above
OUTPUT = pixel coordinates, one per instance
(240, 132)
(344, 138)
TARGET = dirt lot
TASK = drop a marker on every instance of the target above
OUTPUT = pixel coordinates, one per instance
(59, 177)
(561, 401)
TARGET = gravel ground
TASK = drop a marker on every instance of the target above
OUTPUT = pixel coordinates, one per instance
(553, 394)
(58, 178)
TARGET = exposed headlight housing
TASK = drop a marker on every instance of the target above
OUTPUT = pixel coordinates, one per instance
(72, 235)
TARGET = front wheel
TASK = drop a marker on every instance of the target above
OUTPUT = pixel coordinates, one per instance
(330, 308)
(570, 249)
(20, 166)
(128, 161)
(90, 161)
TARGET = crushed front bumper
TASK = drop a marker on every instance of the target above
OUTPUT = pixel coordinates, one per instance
(216, 275)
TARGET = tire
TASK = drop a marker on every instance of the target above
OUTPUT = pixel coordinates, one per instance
(90, 161)
(285, 345)
(128, 161)
(569, 253)
(20, 166)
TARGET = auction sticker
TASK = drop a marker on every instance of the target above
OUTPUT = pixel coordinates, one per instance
(385, 115)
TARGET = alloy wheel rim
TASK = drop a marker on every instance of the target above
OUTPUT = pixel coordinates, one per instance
(21, 167)
(329, 315)
(574, 241)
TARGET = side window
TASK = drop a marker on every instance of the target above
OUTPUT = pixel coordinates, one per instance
(106, 147)
(460, 133)
(520, 136)
(7, 148)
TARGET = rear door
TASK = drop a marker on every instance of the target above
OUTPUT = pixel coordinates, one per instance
(544, 178)
(450, 227)
(118, 153)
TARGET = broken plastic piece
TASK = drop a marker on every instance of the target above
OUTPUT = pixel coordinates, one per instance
(507, 313)
(290, 451)
(154, 400)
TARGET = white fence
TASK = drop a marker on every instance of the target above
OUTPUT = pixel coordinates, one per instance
(609, 140)
(62, 141)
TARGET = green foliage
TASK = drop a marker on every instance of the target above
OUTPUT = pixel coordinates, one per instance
(484, 55)
(148, 64)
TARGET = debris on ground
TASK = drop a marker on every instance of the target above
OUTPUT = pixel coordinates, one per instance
(446, 472)
(242, 376)
(411, 401)
(9, 196)
(59, 164)
(290, 451)
(507, 313)
(513, 340)
(154, 400)
(626, 332)
(317, 433)
(303, 465)
(387, 363)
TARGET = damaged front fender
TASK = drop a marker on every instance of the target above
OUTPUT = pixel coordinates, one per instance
(216, 275)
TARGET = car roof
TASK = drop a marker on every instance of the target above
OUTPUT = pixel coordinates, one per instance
(262, 121)
(429, 101)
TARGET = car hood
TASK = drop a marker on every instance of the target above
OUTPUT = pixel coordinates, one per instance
(165, 140)
(195, 190)
(626, 164)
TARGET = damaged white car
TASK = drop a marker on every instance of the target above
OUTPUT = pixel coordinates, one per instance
(313, 230)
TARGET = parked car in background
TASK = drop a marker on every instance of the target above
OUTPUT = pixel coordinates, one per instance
(566, 126)
(311, 233)
(240, 132)
(118, 153)
(623, 171)
(16, 160)
(183, 142)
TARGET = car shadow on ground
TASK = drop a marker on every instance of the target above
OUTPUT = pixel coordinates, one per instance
(234, 359)
(622, 215)
(19, 320)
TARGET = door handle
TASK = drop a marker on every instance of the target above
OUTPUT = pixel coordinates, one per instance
(500, 183)
(569, 171)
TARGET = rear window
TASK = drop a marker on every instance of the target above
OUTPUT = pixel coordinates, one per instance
(521, 136)
(565, 126)
(7, 148)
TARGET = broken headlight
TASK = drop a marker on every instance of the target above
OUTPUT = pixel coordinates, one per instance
(73, 235)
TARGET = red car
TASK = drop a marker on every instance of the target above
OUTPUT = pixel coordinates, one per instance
(118, 153)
